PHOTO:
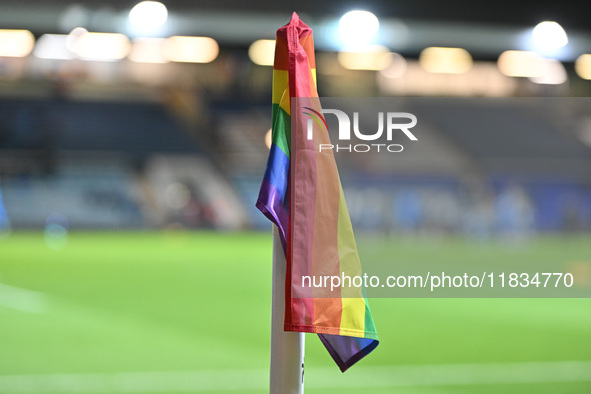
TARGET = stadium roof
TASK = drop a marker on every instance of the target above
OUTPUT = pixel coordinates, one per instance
(570, 14)
(484, 28)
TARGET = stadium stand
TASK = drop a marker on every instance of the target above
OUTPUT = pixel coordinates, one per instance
(109, 164)
(93, 161)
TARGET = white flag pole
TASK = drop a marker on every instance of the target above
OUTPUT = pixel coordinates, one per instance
(287, 348)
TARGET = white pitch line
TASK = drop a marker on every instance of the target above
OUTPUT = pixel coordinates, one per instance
(22, 299)
(257, 379)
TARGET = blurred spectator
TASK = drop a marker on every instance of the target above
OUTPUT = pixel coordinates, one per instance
(514, 213)
(407, 211)
(478, 210)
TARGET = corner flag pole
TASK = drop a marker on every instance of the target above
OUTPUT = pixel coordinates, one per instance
(287, 348)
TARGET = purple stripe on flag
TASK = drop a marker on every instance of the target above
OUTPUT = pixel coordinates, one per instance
(270, 203)
(356, 348)
(273, 196)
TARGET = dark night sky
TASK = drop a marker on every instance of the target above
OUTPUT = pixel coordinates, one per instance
(570, 14)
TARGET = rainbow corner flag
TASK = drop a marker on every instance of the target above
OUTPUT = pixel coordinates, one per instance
(301, 193)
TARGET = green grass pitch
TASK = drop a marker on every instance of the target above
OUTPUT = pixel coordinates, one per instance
(112, 304)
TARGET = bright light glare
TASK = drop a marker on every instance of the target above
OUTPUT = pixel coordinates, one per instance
(147, 50)
(445, 60)
(269, 138)
(583, 66)
(555, 73)
(191, 49)
(102, 46)
(522, 64)
(148, 15)
(396, 68)
(73, 36)
(16, 43)
(549, 35)
(262, 52)
(358, 28)
(53, 46)
(376, 57)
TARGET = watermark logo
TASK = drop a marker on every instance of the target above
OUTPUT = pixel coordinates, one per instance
(389, 123)
(317, 116)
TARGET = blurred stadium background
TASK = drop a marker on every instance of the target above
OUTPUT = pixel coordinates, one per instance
(132, 258)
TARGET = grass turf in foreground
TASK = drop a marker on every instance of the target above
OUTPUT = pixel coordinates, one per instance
(141, 302)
